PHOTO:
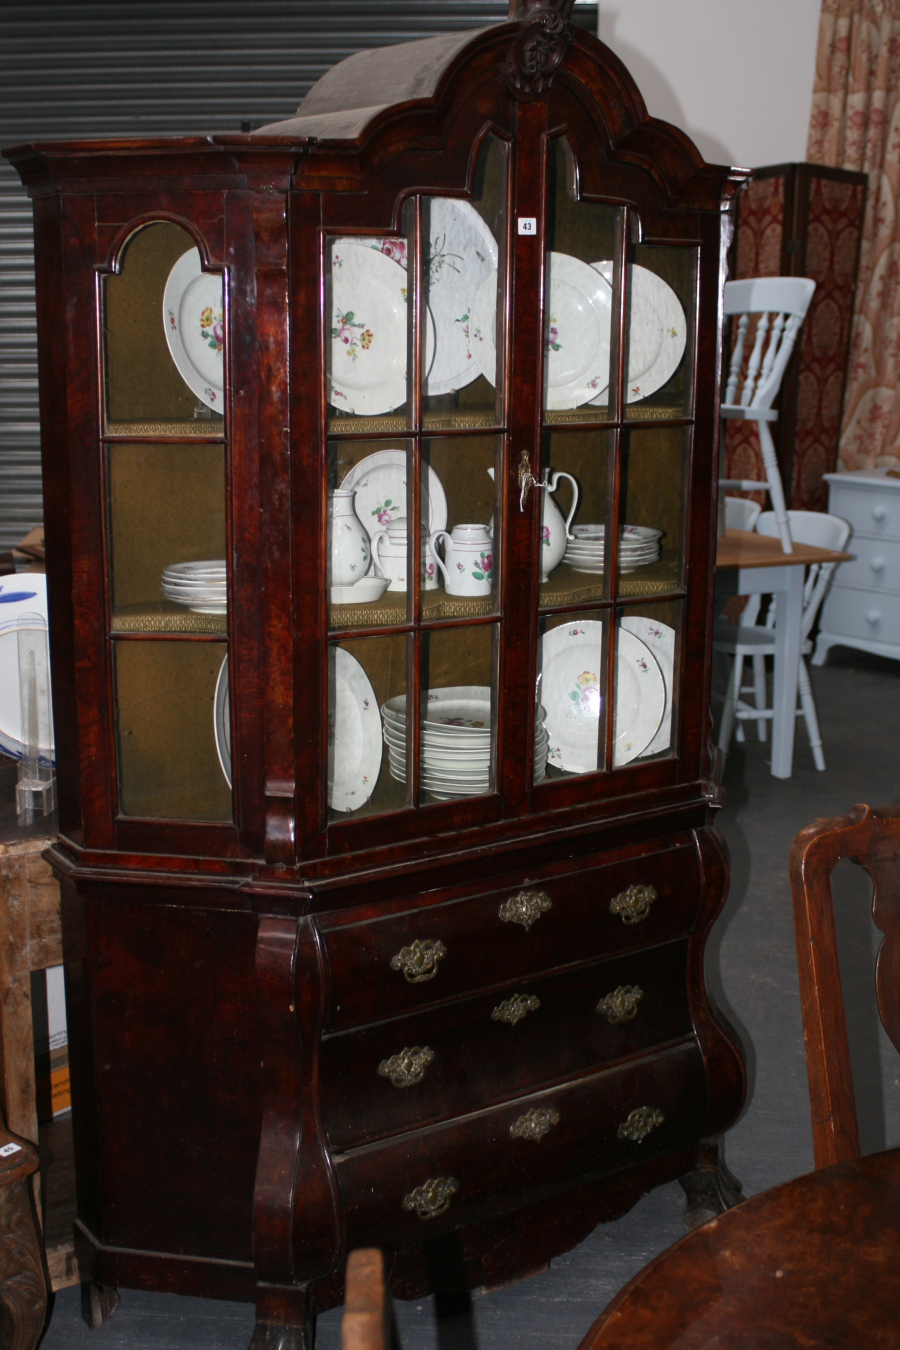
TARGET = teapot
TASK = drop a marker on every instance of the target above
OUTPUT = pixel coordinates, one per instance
(468, 562)
(554, 529)
(348, 540)
(389, 551)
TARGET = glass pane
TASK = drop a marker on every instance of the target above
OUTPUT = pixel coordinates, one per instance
(661, 288)
(578, 297)
(363, 676)
(459, 702)
(571, 692)
(461, 575)
(651, 558)
(164, 337)
(368, 535)
(173, 729)
(464, 245)
(574, 513)
(368, 287)
(652, 636)
(167, 511)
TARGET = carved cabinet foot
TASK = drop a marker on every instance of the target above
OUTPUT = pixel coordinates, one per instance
(275, 1336)
(710, 1188)
(98, 1303)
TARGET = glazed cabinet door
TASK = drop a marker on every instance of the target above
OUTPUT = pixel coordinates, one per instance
(176, 471)
(516, 529)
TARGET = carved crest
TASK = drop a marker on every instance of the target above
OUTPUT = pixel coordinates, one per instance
(539, 46)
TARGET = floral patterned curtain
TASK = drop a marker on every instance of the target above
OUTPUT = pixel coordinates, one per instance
(855, 124)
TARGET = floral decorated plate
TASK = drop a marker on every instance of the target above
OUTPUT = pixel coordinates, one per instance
(194, 320)
(657, 331)
(660, 638)
(461, 253)
(367, 352)
(570, 690)
(379, 482)
(21, 594)
(222, 720)
(576, 366)
(354, 733)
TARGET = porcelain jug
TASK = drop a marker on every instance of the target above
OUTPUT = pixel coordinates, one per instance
(554, 529)
(348, 542)
(389, 550)
(468, 562)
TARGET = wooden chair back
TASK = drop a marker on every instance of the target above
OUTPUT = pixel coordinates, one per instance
(781, 304)
(871, 839)
(368, 1322)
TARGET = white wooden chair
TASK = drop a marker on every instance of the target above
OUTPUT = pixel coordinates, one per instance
(744, 640)
(741, 513)
(781, 304)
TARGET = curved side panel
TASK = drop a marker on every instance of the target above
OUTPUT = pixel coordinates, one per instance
(316, 1218)
(726, 1075)
(282, 1071)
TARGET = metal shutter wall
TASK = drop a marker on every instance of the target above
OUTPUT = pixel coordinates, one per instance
(141, 69)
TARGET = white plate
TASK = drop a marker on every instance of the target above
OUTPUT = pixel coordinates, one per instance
(222, 720)
(576, 367)
(20, 593)
(354, 733)
(367, 352)
(660, 638)
(570, 690)
(657, 332)
(379, 482)
(627, 533)
(194, 320)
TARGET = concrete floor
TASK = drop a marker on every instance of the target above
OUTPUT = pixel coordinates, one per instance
(752, 969)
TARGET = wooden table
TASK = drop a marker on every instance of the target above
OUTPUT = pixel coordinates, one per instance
(754, 564)
(813, 1263)
(31, 939)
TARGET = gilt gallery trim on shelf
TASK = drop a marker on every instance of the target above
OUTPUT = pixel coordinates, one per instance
(518, 519)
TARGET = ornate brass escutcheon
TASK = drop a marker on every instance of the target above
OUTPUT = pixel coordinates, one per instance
(622, 1004)
(420, 960)
(535, 1123)
(525, 908)
(408, 1067)
(633, 904)
(512, 1010)
(640, 1122)
(432, 1197)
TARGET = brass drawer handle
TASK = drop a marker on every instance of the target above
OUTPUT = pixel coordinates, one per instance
(419, 961)
(408, 1067)
(432, 1197)
(525, 908)
(639, 1123)
(534, 1124)
(622, 1004)
(633, 904)
(512, 1010)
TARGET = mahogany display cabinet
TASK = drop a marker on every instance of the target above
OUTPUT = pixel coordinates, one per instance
(407, 402)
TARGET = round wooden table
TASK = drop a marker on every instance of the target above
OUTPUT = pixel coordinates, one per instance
(813, 1263)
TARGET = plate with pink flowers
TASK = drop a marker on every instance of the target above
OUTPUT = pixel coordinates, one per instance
(379, 482)
(368, 295)
(194, 320)
(571, 685)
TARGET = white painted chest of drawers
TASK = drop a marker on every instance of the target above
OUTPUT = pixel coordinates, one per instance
(862, 609)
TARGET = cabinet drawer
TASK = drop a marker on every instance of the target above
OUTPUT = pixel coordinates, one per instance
(455, 1174)
(861, 614)
(382, 967)
(453, 1059)
(876, 566)
(874, 511)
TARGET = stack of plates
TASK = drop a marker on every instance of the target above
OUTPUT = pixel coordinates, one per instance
(638, 546)
(456, 741)
(201, 586)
